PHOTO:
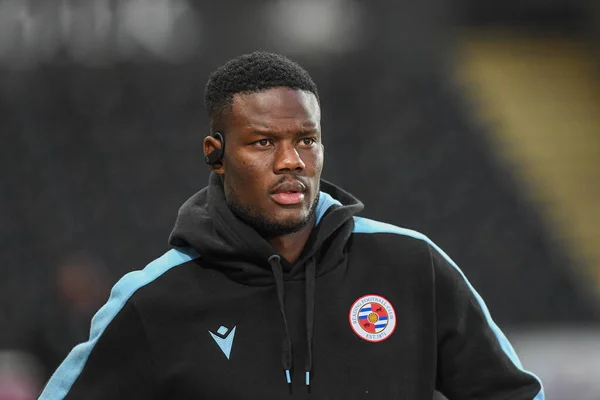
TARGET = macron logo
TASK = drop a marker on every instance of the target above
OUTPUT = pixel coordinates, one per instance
(224, 340)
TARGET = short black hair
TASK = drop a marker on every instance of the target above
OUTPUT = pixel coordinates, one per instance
(252, 73)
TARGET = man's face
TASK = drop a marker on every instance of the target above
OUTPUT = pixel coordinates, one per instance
(273, 159)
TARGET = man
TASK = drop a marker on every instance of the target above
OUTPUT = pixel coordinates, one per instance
(276, 289)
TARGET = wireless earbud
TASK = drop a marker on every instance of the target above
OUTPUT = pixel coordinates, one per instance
(216, 155)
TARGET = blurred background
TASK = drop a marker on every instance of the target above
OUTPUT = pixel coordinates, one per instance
(476, 122)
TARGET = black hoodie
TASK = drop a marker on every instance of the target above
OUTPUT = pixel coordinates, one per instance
(369, 310)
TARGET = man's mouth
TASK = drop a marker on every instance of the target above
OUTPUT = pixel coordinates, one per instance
(289, 193)
(288, 199)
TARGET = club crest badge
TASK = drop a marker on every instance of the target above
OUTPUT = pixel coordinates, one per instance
(372, 318)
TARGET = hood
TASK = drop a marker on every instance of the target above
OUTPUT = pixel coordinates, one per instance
(225, 242)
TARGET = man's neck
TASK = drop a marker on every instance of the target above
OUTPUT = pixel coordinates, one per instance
(290, 246)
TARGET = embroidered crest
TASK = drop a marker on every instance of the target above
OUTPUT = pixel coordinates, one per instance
(373, 318)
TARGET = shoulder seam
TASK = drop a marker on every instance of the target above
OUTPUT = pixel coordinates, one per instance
(365, 225)
(69, 370)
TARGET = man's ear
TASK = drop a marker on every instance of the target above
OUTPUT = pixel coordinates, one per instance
(212, 144)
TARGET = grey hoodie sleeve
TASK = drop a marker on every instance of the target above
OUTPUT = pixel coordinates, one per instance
(475, 360)
(116, 363)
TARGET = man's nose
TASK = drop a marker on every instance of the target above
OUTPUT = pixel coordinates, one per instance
(287, 159)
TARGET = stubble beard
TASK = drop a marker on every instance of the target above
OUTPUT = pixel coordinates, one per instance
(266, 225)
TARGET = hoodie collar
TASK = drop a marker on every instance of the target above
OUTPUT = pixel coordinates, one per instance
(206, 223)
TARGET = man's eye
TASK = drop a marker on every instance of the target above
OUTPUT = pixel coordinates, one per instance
(263, 142)
(308, 141)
